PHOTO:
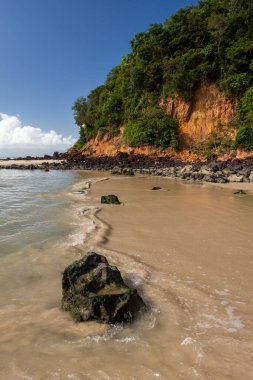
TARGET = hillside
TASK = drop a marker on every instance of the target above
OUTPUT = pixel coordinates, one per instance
(187, 83)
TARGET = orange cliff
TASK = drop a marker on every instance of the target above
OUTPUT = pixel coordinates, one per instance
(197, 119)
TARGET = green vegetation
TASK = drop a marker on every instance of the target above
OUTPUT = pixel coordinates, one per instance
(212, 42)
(151, 127)
(244, 136)
(82, 139)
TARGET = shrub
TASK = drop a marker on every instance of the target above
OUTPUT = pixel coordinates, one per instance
(152, 127)
(244, 137)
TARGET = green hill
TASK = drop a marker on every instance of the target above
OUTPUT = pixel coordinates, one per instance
(209, 43)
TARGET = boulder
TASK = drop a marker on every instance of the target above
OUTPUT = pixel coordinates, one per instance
(197, 176)
(127, 171)
(93, 289)
(235, 178)
(156, 188)
(251, 176)
(206, 170)
(110, 199)
(186, 169)
(209, 178)
(117, 170)
(221, 179)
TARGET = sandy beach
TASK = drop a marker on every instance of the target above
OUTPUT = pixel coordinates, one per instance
(187, 250)
(27, 162)
(188, 247)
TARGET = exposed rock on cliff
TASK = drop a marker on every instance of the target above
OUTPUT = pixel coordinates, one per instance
(198, 118)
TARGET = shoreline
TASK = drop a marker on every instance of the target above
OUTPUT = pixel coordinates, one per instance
(238, 171)
(204, 174)
(29, 163)
(172, 245)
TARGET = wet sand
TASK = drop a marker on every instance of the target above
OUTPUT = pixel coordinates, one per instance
(188, 250)
(190, 247)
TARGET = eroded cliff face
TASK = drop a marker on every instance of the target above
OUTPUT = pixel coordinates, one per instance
(198, 118)
(111, 147)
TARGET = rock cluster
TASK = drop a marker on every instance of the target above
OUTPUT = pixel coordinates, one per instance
(117, 170)
(93, 289)
(232, 170)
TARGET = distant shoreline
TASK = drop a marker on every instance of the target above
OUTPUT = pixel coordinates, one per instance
(21, 163)
(239, 171)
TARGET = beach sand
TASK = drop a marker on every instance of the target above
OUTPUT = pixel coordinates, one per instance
(8, 163)
(187, 248)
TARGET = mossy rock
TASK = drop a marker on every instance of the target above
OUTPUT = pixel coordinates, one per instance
(93, 289)
(110, 199)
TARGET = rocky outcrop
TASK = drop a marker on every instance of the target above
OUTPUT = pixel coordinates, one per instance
(110, 199)
(229, 170)
(117, 170)
(93, 289)
(200, 116)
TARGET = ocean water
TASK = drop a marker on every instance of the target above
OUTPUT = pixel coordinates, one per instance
(32, 204)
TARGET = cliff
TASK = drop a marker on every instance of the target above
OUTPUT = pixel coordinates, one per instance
(209, 111)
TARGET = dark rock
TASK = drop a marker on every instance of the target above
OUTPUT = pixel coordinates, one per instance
(213, 166)
(127, 171)
(240, 192)
(186, 175)
(221, 180)
(197, 176)
(117, 170)
(93, 289)
(110, 199)
(156, 188)
(209, 178)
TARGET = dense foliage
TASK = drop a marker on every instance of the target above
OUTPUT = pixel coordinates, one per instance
(212, 42)
(244, 136)
(151, 127)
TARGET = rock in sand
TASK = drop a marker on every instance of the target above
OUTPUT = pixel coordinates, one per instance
(110, 199)
(93, 289)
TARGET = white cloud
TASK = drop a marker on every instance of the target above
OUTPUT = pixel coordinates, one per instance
(17, 139)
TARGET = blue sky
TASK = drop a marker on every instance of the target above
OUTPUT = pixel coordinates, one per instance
(53, 51)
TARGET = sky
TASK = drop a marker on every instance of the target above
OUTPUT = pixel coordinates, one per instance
(52, 52)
